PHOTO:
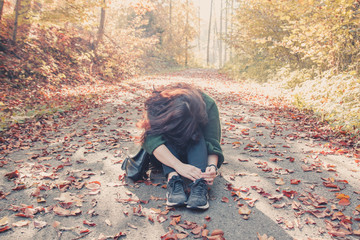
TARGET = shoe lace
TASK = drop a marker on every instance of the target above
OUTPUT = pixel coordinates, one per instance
(199, 187)
(177, 185)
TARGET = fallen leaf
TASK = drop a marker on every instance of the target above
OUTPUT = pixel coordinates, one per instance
(169, 236)
(244, 210)
(217, 232)
(264, 237)
(56, 224)
(279, 181)
(205, 233)
(61, 211)
(309, 221)
(279, 205)
(197, 230)
(175, 220)
(21, 223)
(182, 235)
(295, 181)
(12, 175)
(344, 202)
(120, 234)
(39, 224)
(85, 231)
(358, 208)
(339, 233)
(107, 221)
(95, 185)
(341, 196)
(3, 229)
(290, 194)
(4, 221)
(91, 224)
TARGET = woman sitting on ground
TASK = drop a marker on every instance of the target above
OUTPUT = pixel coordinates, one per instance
(182, 131)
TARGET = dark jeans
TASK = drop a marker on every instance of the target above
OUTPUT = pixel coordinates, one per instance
(195, 155)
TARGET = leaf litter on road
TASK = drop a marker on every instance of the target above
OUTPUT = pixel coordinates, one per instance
(269, 139)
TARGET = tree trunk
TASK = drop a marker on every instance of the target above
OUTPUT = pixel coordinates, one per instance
(170, 19)
(24, 18)
(186, 31)
(220, 34)
(1, 8)
(17, 6)
(226, 28)
(209, 33)
(214, 41)
(102, 25)
(231, 25)
(199, 26)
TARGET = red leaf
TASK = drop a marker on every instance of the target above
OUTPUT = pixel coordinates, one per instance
(19, 187)
(91, 224)
(344, 202)
(3, 194)
(84, 231)
(329, 185)
(295, 181)
(5, 229)
(225, 200)
(12, 175)
(289, 194)
(169, 236)
(339, 233)
(117, 236)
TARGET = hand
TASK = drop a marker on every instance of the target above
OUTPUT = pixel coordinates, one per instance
(209, 175)
(189, 171)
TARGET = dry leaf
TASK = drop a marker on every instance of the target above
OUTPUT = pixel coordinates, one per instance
(217, 232)
(107, 221)
(279, 181)
(244, 210)
(21, 223)
(344, 202)
(39, 224)
(4, 221)
(264, 237)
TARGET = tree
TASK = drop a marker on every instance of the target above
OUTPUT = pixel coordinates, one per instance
(209, 33)
(170, 18)
(307, 34)
(16, 22)
(220, 34)
(186, 36)
(226, 27)
(102, 24)
(1, 8)
(231, 24)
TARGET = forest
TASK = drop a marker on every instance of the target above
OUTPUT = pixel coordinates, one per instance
(307, 48)
(74, 76)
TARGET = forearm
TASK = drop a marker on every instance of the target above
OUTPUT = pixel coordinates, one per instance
(213, 159)
(163, 154)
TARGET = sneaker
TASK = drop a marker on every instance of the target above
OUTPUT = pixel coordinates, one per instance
(198, 198)
(175, 192)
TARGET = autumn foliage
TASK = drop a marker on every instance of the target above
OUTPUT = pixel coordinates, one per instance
(48, 48)
(308, 49)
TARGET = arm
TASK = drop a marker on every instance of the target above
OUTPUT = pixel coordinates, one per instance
(163, 154)
(211, 171)
(212, 132)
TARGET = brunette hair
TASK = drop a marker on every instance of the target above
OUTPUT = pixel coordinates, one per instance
(176, 111)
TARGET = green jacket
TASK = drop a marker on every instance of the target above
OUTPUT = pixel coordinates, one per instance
(211, 132)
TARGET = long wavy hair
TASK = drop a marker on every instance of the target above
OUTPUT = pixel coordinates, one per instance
(176, 112)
